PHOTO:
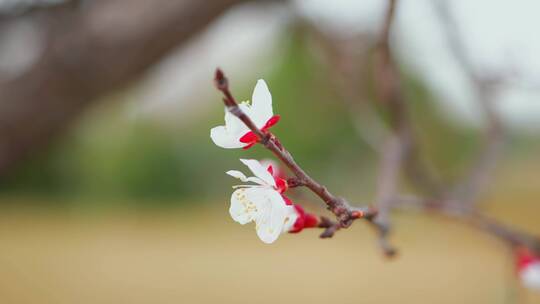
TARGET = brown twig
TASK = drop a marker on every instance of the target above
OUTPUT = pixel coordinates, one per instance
(330, 227)
(340, 207)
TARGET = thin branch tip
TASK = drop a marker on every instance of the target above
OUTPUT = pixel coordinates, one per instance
(220, 79)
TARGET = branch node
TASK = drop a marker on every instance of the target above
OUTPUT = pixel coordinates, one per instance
(294, 182)
(330, 227)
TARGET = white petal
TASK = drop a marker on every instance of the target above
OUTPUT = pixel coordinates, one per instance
(246, 108)
(530, 276)
(243, 209)
(233, 124)
(261, 107)
(271, 217)
(222, 138)
(290, 219)
(228, 136)
(259, 171)
(239, 175)
(278, 171)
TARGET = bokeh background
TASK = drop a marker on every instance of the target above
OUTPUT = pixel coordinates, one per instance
(111, 190)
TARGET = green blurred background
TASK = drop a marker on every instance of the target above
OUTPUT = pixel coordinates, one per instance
(124, 207)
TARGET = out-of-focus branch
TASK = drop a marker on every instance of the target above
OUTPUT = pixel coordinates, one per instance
(400, 151)
(388, 89)
(348, 64)
(340, 207)
(460, 213)
(89, 51)
(511, 235)
(391, 161)
(395, 144)
(387, 188)
(480, 172)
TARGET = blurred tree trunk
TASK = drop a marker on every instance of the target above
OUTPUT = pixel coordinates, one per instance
(90, 50)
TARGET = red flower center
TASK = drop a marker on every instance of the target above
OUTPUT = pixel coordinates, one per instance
(251, 138)
(281, 183)
(304, 220)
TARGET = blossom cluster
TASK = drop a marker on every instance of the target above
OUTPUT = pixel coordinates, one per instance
(261, 199)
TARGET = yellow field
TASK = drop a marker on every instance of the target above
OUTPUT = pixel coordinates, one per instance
(201, 256)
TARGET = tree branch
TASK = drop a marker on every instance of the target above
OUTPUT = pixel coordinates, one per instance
(340, 207)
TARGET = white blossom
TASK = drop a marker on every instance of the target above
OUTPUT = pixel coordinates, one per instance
(232, 134)
(261, 202)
